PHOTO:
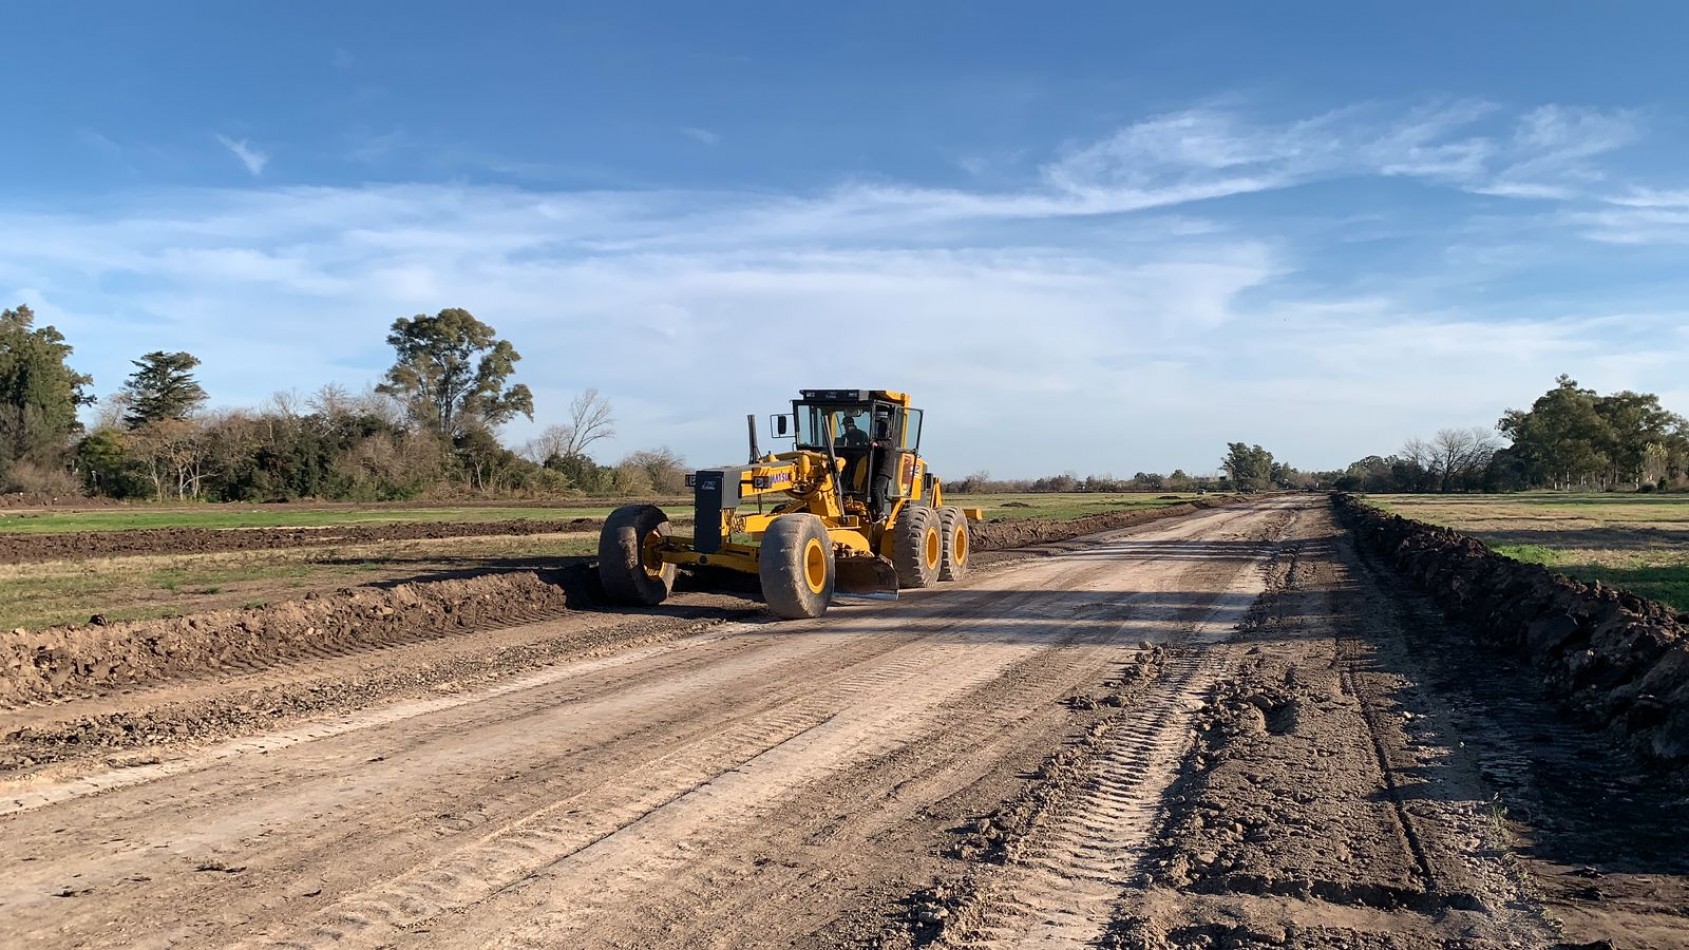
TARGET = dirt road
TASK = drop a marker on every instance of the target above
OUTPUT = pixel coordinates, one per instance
(1223, 730)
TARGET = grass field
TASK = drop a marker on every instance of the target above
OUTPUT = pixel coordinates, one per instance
(1636, 542)
(270, 516)
(163, 585)
(137, 587)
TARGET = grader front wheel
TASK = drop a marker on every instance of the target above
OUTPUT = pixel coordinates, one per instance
(796, 567)
(629, 564)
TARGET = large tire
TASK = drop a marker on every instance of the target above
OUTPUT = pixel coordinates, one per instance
(625, 566)
(917, 547)
(796, 567)
(958, 544)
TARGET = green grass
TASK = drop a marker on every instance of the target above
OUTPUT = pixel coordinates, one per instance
(147, 587)
(233, 516)
(1532, 554)
(1654, 575)
(1638, 543)
(1597, 506)
(267, 516)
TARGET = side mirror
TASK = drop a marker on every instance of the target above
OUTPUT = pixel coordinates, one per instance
(779, 425)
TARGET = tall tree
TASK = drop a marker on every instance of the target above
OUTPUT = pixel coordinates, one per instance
(1575, 436)
(162, 389)
(1249, 467)
(39, 393)
(452, 372)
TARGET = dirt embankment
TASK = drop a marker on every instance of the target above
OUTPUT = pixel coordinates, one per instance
(1619, 659)
(59, 661)
(38, 665)
(35, 499)
(29, 548)
(1019, 533)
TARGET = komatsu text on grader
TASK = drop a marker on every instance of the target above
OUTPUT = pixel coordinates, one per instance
(851, 509)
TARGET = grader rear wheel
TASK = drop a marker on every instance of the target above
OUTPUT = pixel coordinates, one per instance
(629, 564)
(958, 544)
(917, 547)
(796, 567)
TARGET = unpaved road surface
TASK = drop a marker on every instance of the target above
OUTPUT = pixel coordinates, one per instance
(1225, 730)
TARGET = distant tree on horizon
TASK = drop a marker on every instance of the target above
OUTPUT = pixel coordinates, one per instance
(452, 374)
(39, 392)
(162, 389)
(1249, 467)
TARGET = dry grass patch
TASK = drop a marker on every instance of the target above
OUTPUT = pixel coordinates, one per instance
(151, 586)
(1638, 543)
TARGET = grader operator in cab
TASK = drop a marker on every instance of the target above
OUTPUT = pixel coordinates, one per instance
(851, 509)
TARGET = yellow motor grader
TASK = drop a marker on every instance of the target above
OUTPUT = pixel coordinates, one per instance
(851, 509)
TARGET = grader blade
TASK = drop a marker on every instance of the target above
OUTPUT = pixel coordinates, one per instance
(870, 577)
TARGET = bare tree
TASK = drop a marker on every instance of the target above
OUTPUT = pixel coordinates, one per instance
(590, 420)
(663, 466)
(1461, 455)
(549, 444)
(331, 400)
(1419, 452)
(111, 412)
(284, 403)
(387, 408)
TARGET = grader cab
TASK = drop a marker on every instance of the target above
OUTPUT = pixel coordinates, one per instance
(851, 509)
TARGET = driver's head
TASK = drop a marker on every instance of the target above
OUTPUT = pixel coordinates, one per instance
(850, 422)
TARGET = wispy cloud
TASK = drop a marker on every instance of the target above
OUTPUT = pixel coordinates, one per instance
(1551, 151)
(701, 136)
(249, 155)
(1114, 275)
(1547, 153)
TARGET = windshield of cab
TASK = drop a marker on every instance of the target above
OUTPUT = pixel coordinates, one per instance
(851, 425)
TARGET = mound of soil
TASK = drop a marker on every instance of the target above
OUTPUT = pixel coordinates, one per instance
(59, 661)
(1019, 533)
(39, 665)
(1617, 658)
(27, 548)
(36, 499)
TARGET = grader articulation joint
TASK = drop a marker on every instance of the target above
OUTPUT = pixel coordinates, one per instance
(852, 509)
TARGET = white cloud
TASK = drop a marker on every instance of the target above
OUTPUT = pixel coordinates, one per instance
(1636, 225)
(702, 136)
(1550, 153)
(1208, 152)
(1651, 198)
(251, 157)
(1076, 321)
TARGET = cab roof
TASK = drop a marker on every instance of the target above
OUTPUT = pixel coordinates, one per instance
(854, 395)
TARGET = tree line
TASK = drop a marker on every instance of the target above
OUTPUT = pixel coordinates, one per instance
(1571, 438)
(429, 426)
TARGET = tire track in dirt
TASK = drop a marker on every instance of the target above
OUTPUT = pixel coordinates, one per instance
(1062, 888)
(727, 751)
(902, 697)
(1310, 816)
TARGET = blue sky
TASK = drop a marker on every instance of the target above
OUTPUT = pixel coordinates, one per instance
(1099, 237)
